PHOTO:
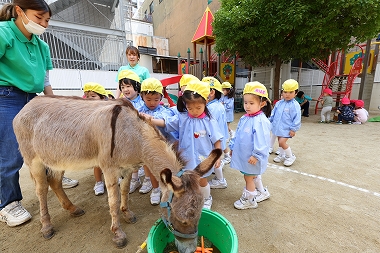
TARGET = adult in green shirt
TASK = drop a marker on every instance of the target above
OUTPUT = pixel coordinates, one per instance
(303, 100)
(24, 64)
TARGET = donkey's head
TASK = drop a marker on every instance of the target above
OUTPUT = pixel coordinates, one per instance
(183, 201)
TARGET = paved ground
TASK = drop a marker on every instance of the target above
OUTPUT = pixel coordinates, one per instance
(327, 201)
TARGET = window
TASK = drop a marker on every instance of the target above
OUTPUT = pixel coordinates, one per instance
(151, 9)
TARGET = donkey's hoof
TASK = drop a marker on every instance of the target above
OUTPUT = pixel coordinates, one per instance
(120, 242)
(129, 217)
(78, 212)
(49, 234)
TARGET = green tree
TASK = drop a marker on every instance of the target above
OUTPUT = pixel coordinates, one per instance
(267, 32)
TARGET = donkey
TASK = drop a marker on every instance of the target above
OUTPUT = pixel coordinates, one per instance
(71, 133)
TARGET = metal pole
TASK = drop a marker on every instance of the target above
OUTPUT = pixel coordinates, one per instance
(188, 60)
(201, 63)
(365, 66)
(179, 63)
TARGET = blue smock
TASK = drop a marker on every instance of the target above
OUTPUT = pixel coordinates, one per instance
(285, 116)
(197, 137)
(218, 113)
(229, 107)
(252, 138)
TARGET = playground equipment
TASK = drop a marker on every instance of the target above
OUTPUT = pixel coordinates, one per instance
(340, 84)
(172, 99)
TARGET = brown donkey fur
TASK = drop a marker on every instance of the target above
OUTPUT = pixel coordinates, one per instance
(68, 133)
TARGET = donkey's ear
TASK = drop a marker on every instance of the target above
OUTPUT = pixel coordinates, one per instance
(172, 182)
(209, 162)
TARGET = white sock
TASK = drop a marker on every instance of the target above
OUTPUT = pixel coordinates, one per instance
(259, 183)
(219, 172)
(227, 155)
(206, 191)
(272, 140)
(288, 152)
(135, 175)
(282, 152)
(250, 194)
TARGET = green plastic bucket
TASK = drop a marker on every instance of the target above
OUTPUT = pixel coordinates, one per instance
(211, 225)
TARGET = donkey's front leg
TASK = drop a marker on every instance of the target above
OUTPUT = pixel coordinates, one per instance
(129, 216)
(120, 239)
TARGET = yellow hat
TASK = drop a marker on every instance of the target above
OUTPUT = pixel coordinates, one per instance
(290, 85)
(129, 74)
(213, 82)
(110, 93)
(256, 88)
(152, 84)
(226, 85)
(95, 87)
(202, 88)
(186, 78)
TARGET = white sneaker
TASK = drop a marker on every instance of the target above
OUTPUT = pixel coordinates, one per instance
(155, 196)
(270, 150)
(277, 152)
(99, 188)
(14, 214)
(245, 203)
(135, 183)
(146, 186)
(141, 172)
(261, 196)
(207, 203)
(226, 159)
(69, 183)
(289, 160)
(216, 183)
(279, 159)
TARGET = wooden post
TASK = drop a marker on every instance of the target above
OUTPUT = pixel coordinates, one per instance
(206, 58)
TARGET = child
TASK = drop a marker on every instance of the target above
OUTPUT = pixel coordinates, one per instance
(327, 106)
(129, 85)
(228, 101)
(198, 132)
(345, 112)
(110, 94)
(185, 79)
(133, 57)
(361, 114)
(218, 113)
(151, 93)
(96, 91)
(272, 136)
(250, 146)
(286, 121)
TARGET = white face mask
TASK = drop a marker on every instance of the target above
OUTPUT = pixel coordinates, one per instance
(33, 27)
